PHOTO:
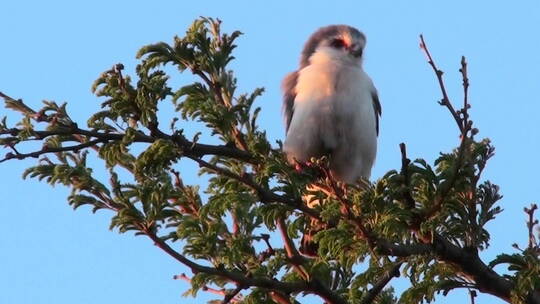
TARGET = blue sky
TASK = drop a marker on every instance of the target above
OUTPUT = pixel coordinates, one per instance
(55, 49)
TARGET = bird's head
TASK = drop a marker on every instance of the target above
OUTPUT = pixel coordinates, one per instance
(341, 42)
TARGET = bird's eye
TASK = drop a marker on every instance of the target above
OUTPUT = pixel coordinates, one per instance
(337, 43)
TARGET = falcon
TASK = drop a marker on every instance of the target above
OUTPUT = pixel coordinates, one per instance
(331, 107)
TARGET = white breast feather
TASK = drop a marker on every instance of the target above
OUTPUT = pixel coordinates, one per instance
(334, 108)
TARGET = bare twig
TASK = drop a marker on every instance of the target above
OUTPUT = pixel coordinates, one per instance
(531, 223)
(465, 77)
(472, 294)
(462, 120)
(445, 100)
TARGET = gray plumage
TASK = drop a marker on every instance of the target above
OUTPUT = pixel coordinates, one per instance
(331, 107)
(288, 85)
(323, 34)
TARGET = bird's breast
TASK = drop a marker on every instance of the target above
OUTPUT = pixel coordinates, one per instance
(333, 111)
(337, 92)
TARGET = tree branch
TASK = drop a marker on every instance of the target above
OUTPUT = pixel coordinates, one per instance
(47, 150)
(470, 264)
(218, 95)
(409, 200)
(472, 295)
(292, 253)
(381, 283)
(462, 120)
(265, 195)
(313, 286)
(465, 84)
(445, 100)
(220, 292)
(188, 147)
(231, 296)
(472, 267)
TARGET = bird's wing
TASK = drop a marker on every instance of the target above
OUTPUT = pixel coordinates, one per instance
(289, 89)
(377, 107)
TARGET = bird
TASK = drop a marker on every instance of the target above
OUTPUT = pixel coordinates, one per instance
(331, 108)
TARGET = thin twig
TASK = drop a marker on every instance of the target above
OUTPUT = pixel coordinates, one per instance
(313, 286)
(469, 263)
(531, 223)
(381, 283)
(445, 100)
(218, 95)
(269, 251)
(47, 150)
(463, 122)
(220, 292)
(231, 297)
(472, 294)
(409, 200)
(292, 253)
(465, 79)
(188, 147)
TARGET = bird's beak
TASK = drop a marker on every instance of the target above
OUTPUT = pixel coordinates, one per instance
(355, 50)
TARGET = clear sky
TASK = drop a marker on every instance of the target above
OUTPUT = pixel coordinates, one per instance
(55, 49)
